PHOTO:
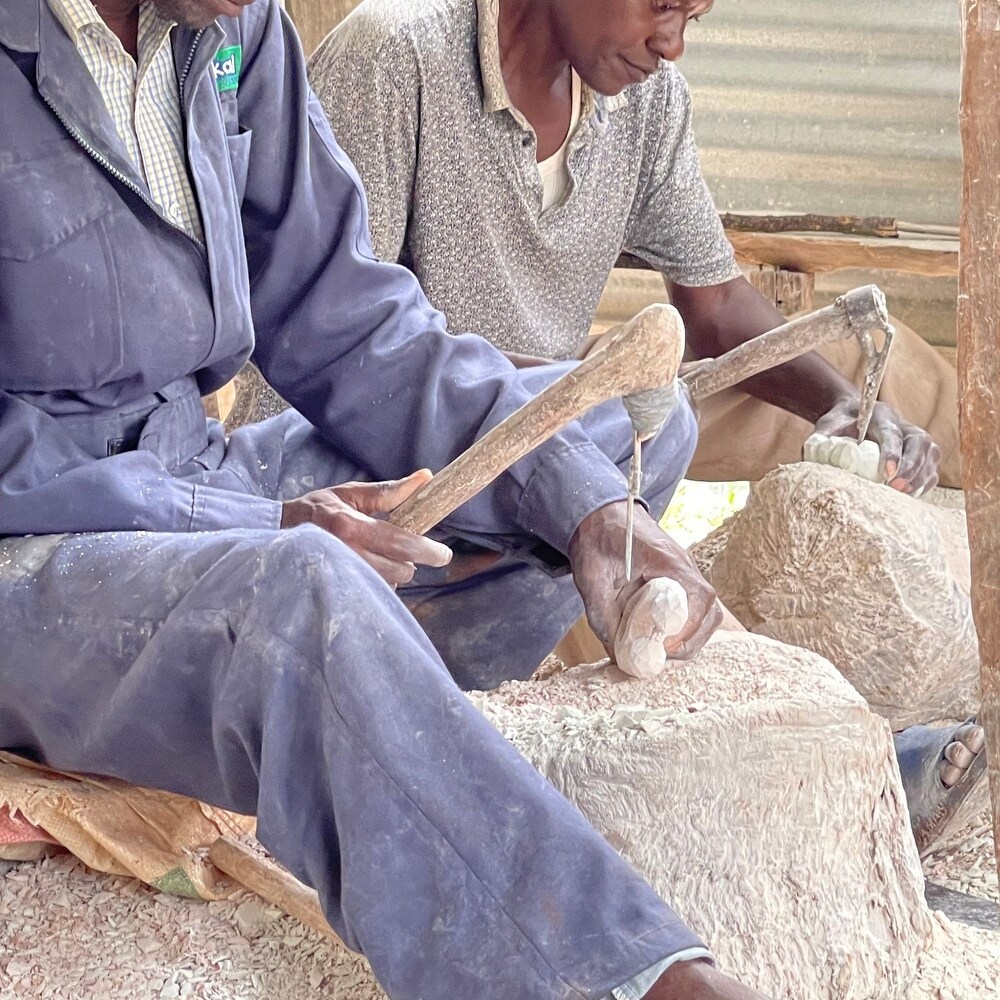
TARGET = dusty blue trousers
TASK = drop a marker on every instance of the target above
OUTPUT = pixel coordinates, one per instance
(274, 673)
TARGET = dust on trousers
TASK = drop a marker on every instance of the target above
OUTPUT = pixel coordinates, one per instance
(274, 673)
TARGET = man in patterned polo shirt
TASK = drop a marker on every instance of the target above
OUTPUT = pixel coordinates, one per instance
(512, 149)
(217, 615)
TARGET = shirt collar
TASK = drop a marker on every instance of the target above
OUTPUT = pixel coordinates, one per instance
(76, 16)
(495, 95)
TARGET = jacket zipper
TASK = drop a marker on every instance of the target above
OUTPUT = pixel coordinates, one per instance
(104, 162)
(190, 60)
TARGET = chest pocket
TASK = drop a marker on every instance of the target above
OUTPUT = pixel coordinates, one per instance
(45, 199)
(239, 139)
(60, 322)
(239, 157)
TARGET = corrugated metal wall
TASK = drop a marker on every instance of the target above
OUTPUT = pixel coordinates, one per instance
(830, 106)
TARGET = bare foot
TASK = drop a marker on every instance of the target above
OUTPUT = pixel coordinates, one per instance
(940, 769)
(699, 981)
(966, 745)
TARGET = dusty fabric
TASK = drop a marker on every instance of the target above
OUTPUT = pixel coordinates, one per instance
(872, 579)
(21, 840)
(112, 318)
(159, 644)
(207, 679)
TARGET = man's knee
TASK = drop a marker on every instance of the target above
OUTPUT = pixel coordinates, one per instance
(304, 554)
(315, 593)
(302, 580)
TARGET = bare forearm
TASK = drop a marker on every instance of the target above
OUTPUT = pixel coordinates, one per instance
(721, 317)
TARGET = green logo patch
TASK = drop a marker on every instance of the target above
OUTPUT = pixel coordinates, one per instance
(226, 68)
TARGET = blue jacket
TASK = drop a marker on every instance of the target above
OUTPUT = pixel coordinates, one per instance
(107, 309)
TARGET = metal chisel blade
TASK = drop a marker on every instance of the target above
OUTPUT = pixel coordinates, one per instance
(634, 486)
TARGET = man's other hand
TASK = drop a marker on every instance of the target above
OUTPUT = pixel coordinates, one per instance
(909, 457)
(351, 513)
(597, 558)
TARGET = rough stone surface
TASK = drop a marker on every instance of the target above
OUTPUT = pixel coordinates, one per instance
(778, 830)
(873, 580)
(755, 790)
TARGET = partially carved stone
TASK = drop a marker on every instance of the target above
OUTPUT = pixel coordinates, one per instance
(757, 792)
(873, 580)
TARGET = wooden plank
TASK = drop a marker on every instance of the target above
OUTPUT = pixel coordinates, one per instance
(817, 253)
(979, 352)
(932, 258)
(809, 222)
(790, 292)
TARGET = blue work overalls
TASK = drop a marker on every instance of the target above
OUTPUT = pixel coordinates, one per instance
(155, 624)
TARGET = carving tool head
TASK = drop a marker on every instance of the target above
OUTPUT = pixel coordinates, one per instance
(874, 373)
(858, 305)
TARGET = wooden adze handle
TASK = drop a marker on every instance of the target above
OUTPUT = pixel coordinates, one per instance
(854, 314)
(644, 353)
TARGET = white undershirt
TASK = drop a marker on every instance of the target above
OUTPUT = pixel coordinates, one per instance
(554, 171)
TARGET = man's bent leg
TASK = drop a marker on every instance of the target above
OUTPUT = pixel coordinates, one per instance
(274, 672)
(500, 623)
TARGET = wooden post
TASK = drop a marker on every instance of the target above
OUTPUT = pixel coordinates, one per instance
(979, 351)
(315, 19)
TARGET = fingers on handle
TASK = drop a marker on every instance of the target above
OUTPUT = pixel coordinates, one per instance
(383, 497)
(367, 535)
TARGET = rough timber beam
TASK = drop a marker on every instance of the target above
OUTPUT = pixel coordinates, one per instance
(979, 351)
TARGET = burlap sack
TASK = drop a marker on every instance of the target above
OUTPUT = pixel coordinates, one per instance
(114, 827)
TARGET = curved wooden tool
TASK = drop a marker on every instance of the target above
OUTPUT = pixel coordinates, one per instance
(855, 314)
(644, 353)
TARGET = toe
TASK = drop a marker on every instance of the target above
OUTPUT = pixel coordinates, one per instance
(950, 774)
(959, 754)
(973, 736)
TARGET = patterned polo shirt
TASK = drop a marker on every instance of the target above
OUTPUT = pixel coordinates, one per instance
(416, 96)
(143, 101)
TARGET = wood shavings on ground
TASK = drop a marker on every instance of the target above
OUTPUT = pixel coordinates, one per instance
(67, 932)
(969, 864)
(962, 963)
